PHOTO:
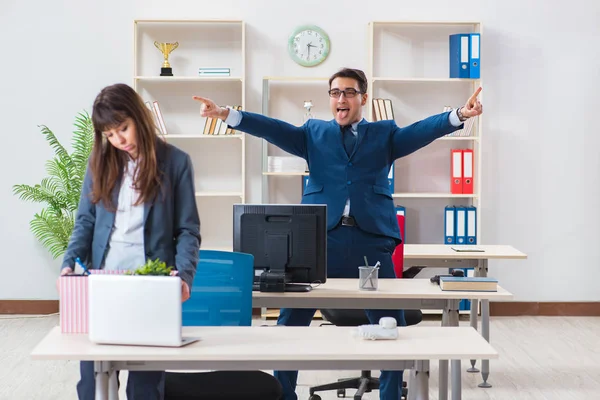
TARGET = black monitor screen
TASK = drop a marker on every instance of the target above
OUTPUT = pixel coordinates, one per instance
(288, 241)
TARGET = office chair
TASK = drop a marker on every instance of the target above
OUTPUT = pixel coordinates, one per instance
(221, 295)
(365, 382)
(222, 385)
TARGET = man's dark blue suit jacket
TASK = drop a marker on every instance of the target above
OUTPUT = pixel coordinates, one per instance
(362, 176)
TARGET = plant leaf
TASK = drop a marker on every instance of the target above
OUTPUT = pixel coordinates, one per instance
(60, 191)
(51, 231)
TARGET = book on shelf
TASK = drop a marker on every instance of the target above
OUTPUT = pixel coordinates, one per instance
(157, 116)
(383, 110)
(468, 283)
(204, 71)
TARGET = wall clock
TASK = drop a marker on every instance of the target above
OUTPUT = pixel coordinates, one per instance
(309, 45)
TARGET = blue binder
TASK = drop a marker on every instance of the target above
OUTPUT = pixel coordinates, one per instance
(471, 225)
(461, 225)
(459, 55)
(449, 225)
(474, 55)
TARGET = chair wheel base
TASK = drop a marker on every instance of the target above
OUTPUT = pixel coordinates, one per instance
(314, 397)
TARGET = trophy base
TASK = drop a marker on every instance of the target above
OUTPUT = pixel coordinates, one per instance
(166, 71)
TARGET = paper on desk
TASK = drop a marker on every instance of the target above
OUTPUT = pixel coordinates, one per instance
(467, 249)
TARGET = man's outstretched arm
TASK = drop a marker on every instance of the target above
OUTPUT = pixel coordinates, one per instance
(282, 134)
(411, 138)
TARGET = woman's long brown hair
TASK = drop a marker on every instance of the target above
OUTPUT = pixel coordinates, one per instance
(113, 105)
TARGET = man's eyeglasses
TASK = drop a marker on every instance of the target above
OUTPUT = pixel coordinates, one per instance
(348, 93)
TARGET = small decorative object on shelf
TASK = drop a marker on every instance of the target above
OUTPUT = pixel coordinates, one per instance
(166, 49)
(307, 115)
(207, 71)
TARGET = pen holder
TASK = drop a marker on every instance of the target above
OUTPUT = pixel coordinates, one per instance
(368, 278)
(73, 301)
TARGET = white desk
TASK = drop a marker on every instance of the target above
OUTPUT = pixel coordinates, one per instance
(392, 294)
(444, 252)
(284, 348)
(442, 256)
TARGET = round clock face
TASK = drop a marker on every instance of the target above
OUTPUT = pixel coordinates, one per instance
(309, 45)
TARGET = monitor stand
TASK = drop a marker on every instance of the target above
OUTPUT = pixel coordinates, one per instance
(276, 279)
(278, 282)
(297, 287)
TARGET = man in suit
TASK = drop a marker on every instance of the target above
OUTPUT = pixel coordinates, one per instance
(349, 160)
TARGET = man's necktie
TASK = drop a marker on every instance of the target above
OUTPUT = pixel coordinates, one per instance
(349, 139)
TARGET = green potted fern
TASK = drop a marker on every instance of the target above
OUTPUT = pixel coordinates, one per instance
(61, 189)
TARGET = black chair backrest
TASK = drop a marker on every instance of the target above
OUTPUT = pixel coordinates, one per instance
(340, 317)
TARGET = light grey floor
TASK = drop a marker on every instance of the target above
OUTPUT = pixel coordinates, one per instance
(540, 358)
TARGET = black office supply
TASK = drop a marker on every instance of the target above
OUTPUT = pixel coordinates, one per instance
(455, 272)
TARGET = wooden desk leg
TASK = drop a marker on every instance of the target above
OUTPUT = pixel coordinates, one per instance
(419, 381)
(101, 371)
(485, 328)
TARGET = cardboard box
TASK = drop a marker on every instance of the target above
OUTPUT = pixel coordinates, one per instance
(73, 301)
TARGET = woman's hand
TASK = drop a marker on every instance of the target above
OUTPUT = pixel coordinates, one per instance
(63, 272)
(185, 289)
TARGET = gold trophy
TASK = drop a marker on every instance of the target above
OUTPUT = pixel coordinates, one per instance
(166, 49)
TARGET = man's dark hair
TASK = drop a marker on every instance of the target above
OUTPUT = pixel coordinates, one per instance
(356, 74)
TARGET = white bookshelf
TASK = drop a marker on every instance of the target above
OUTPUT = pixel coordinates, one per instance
(283, 98)
(408, 63)
(219, 160)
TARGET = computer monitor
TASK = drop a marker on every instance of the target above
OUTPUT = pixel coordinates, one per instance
(288, 242)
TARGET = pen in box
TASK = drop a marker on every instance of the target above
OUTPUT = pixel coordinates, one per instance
(85, 270)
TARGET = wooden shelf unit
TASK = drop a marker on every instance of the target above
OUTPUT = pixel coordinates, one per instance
(219, 164)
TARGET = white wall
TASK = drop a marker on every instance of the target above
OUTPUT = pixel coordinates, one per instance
(540, 63)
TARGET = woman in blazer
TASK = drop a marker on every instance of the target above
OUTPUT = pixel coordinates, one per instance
(137, 203)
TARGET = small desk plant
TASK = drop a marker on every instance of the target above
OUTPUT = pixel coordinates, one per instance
(152, 267)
